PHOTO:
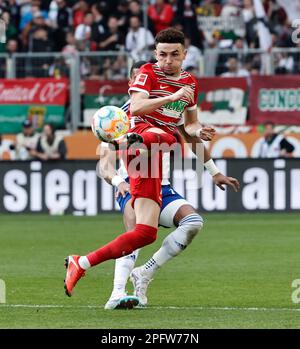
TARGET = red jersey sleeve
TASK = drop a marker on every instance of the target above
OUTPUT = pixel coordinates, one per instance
(143, 80)
(193, 105)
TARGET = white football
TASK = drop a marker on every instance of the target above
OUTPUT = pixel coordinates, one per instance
(110, 123)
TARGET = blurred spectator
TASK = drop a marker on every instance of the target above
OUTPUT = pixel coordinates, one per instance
(99, 26)
(59, 68)
(248, 11)
(276, 13)
(70, 48)
(285, 64)
(139, 40)
(186, 15)
(85, 66)
(6, 65)
(27, 16)
(63, 24)
(230, 8)
(37, 22)
(113, 39)
(64, 15)
(83, 32)
(12, 46)
(234, 70)
(250, 20)
(122, 13)
(79, 10)
(135, 9)
(193, 56)
(239, 44)
(117, 69)
(274, 145)
(11, 31)
(26, 142)
(50, 146)
(45, 4)
(39, 41)
(14, 10)
(211, 57)
(284, 35)
(52, 14)
(161, 15)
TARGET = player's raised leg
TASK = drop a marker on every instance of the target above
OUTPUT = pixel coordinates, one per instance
(144, 233)
(188, 223)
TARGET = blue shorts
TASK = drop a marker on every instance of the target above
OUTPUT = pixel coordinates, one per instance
(168, 195)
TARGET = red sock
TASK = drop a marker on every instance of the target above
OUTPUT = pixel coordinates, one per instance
(158, 138)
(124, 244)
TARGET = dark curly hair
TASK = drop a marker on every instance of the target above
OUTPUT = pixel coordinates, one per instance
(169, 36)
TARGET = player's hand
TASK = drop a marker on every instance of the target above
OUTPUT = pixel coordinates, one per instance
(220, 180)
(123, 188)
(207, 133)
(186, 92)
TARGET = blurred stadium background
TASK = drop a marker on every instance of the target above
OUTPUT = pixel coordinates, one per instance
(60, 61)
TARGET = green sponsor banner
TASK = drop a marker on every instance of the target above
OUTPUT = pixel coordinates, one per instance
(279, 99)
(12, 116)
(276, 99)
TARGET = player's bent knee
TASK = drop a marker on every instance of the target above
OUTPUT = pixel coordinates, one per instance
(191, 225)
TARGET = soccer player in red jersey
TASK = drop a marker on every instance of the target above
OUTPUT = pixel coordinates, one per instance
(160, 95)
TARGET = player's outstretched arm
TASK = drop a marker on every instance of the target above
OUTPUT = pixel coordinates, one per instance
(219, 179)
(107, 169)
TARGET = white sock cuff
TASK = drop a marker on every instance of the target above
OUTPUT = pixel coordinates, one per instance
(84, 263)
(191, 219)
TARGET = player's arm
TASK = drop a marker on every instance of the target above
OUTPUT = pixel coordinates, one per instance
(141, 104)
(193, 127)
(219, 179)
(107, 169)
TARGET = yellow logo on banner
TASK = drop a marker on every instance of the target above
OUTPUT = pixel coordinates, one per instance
(37, 114)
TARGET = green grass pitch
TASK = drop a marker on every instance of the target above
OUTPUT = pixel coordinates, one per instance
(237, 273)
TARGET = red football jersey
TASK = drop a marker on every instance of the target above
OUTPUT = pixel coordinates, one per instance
(153, 81)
